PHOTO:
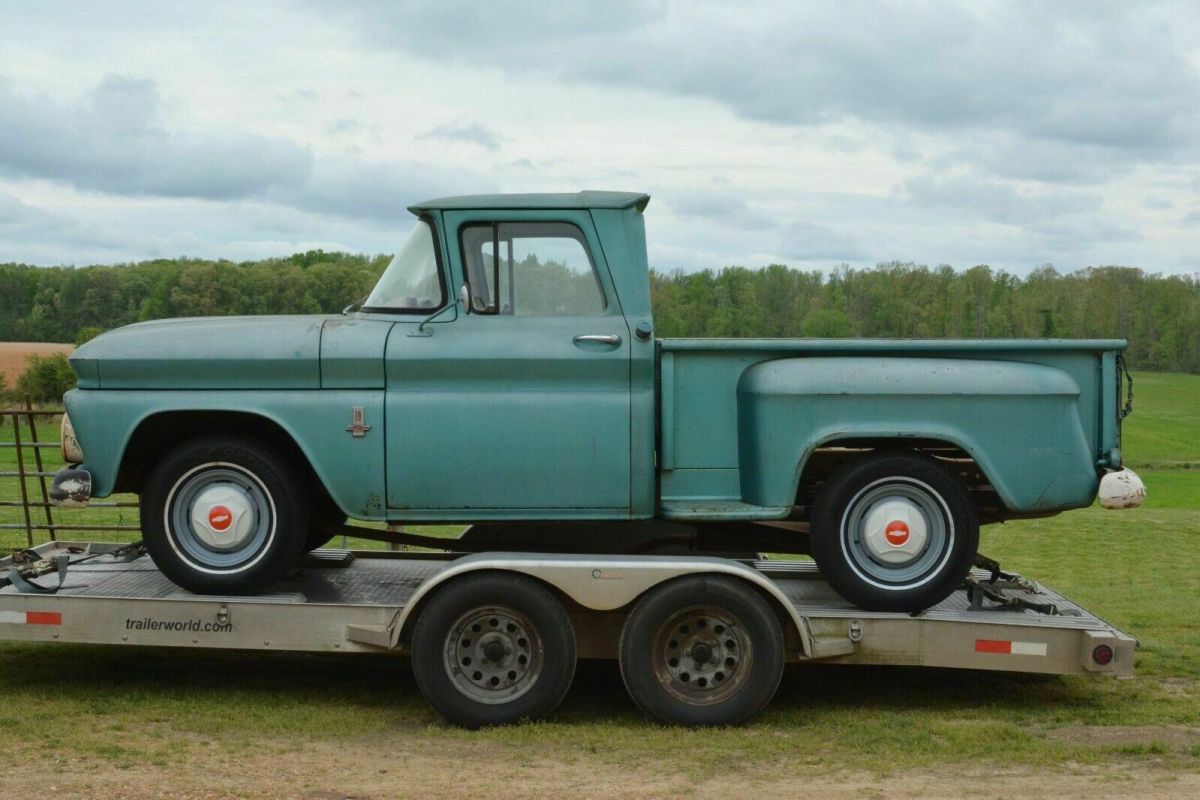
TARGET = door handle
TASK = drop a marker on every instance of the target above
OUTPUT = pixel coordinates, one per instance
(598, 338)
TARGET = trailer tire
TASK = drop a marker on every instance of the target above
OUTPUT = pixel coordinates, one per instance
(894, 531)
(224, 515)
(701, 651)
(493, 648)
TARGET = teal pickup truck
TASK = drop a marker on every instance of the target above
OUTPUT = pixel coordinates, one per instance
(505, 369)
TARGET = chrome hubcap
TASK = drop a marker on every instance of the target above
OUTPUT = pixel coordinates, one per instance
(223, 516)
(894, 530)
(897, 533)
(220, 517)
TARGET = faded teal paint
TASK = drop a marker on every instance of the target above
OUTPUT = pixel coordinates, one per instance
(704, 450)
(524, 202)
(351, 469)
(502, 417)
(499, 416)
(352, 351)
(1019, 421)
(208, 353)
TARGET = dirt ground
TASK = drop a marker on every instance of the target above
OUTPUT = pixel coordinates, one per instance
(13, 355)
(403, 766)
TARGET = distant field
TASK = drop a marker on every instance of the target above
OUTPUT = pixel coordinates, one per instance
(14, 354)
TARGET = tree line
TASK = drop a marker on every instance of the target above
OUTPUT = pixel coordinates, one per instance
(1159, 315)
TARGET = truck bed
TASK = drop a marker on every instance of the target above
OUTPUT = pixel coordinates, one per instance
(732, 435)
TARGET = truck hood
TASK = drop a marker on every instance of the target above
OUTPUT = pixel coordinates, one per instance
(205, 353)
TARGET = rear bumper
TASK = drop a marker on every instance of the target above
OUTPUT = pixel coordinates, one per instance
(71, 487)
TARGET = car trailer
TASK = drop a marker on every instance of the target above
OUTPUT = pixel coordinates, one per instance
(494, 637)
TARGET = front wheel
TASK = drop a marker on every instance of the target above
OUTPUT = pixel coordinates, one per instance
(894, 532)
(225, 515)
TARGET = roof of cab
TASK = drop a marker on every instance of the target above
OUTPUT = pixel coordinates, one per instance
(576, 200)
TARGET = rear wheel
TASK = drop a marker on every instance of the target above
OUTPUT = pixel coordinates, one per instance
(894, 532)
(493, 648)
(706, 650)
(225, 515)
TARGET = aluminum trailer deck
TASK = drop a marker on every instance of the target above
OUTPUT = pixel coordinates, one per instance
(370, 601)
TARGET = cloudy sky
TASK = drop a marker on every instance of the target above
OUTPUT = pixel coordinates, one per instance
(1007, 133)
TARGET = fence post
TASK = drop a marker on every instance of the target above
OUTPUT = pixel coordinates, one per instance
(37, 459)
(16, 420)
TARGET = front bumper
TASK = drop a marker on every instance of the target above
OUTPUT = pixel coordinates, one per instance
(71, 487)
(1122, 488)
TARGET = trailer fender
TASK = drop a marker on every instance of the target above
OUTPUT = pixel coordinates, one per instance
(606, 583)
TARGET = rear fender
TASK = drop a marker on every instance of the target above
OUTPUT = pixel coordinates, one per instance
(1019, 421)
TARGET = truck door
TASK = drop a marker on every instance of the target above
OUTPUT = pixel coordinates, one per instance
(518, 407)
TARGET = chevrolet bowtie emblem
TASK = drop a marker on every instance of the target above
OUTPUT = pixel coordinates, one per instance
(358, 427)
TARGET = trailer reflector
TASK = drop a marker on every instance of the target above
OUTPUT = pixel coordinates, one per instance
(1102, 654)
(1007, 648)
(31, 617)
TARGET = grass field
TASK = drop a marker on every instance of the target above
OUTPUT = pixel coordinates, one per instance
(104, 714)
(1164, 429)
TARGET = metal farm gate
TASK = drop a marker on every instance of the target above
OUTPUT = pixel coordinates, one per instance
(29, 456)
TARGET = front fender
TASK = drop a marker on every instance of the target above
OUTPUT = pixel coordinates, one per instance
(1019, 421)
(351, 468)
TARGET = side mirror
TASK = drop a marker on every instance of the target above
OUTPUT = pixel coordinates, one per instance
(464, 297)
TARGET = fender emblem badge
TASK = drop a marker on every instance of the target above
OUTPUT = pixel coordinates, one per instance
(357, 428)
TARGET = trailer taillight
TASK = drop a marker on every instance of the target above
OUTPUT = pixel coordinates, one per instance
(1102, 654)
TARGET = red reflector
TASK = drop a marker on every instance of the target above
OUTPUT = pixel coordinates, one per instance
(993, 646)
(43, 618)
(1102, 654)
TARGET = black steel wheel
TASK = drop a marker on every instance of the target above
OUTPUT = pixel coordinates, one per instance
(704, 650)
(894, 531)
(493, 648)
(225, 515)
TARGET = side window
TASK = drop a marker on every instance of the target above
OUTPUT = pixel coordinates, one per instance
(530, 269)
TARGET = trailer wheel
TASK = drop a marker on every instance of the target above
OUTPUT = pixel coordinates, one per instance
(492, 649)
(225, 515)
(706, 650)
(894, 532)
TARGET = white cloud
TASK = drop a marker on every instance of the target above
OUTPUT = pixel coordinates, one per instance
(110, 140)
(1011, 133)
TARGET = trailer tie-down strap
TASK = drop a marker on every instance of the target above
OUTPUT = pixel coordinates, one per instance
(27, 586)
(993, 589)
(21, 579)
(978, 590)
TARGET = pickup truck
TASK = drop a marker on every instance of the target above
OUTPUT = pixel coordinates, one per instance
(505, 369)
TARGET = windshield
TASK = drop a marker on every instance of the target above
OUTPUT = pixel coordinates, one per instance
(411, 282)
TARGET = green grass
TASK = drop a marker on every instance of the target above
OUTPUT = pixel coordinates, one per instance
(1164, 428)
(1139, 569)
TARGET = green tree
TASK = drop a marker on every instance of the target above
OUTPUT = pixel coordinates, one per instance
(86, 334)
(46, 378)
(827, 323)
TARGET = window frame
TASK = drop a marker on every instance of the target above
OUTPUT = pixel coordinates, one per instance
(441, 273)
(493, 310)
